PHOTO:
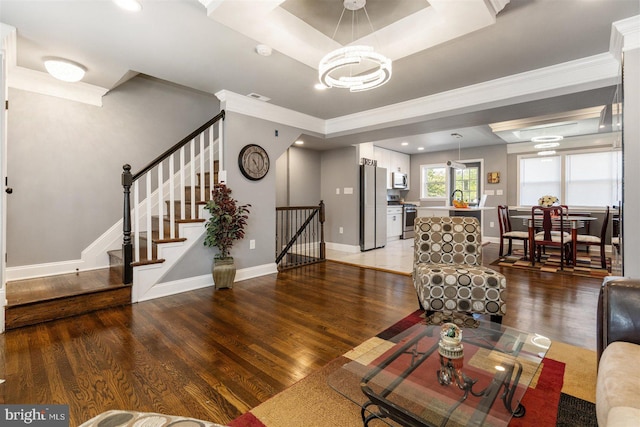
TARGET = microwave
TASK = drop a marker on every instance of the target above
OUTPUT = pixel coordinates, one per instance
(400, 180)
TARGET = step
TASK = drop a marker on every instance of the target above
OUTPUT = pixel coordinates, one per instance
(33, 301)
(206, 176)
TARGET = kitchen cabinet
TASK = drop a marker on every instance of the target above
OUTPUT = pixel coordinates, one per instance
(394, 222)
(393, 162)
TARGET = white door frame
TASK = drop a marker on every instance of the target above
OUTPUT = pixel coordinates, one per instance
(3, 197)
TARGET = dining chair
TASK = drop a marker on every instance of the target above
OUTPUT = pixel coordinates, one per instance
(507, 233)
(590, 240)
(552, 232)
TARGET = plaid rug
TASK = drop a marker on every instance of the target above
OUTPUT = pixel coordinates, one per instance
(586, 264)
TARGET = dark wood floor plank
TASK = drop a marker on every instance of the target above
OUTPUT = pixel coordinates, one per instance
(216, 354)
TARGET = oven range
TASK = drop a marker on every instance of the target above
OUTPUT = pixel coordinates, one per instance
(409, 213)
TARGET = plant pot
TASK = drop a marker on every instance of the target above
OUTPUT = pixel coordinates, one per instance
(224, 272)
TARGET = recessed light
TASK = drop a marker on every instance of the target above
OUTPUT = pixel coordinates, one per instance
(64, 70)
(404, 143)
(420, 148)
(547, 145)
(299, 142)
(547, 153)
(549, 138)
(130, 5)
(263, 50)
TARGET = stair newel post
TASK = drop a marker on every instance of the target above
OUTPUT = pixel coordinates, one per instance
(322, 244)
(127, 247)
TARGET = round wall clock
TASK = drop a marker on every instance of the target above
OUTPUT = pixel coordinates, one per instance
(253, 162)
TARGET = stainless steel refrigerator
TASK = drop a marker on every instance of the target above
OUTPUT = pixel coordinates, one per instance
(373, 207)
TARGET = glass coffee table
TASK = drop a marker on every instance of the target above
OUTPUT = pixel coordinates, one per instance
(412, 380)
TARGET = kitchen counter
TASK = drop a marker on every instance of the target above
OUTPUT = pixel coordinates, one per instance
(453, 208)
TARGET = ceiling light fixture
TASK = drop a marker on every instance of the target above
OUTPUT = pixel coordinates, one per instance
(452, 163)
(547, 145)
(548, 138)
(547, 153)
(64, 70)
(299, 142)
(130, 5)
(331, 68)
(264, 50)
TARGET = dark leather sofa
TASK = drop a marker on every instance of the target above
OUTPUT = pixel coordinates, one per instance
(618, 350)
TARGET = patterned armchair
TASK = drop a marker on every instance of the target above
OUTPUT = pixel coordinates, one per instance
(448, 273)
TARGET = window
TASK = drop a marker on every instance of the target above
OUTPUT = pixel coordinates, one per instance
(466, 180)
(593, 179)
(586, 179)
(434, 182)
(539, 176)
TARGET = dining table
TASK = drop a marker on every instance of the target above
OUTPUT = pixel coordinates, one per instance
(575, 223)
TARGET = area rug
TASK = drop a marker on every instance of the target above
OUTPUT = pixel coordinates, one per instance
(563, 395)
(586, 265)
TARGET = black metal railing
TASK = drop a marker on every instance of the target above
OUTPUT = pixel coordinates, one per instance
(299, 236)
(190, 168)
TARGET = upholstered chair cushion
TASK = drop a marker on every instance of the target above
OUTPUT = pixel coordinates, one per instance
(448, 273)
(516, 234)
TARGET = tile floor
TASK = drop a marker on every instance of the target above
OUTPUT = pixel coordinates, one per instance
(397, 255)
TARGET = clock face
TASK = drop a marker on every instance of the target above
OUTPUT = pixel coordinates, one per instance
(253, 162)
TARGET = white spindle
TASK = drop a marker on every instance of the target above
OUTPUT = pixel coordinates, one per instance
(136, 221)
(148, 222)
(172, 199)
(202, 180)
(160, 203)
(192, 169)
(221, 165)
(183, 185)
(212, 161)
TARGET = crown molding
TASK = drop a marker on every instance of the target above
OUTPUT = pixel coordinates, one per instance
(625, 35)
(234, 102)
(43, 83)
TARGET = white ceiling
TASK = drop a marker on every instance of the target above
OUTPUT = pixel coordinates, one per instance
(437, 46)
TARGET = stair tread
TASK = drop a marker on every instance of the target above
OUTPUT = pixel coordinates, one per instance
(29, 291)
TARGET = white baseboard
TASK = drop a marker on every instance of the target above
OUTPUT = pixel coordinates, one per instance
(177, 286)
(198, 282)
(257, 271)
(342, 247)
(49, 269)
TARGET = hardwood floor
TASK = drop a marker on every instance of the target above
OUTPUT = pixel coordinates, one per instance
(216, 354)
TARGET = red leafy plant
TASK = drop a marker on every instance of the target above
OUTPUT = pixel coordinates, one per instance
(227, 222)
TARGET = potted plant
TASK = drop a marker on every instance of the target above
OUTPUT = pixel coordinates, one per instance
(223, 228)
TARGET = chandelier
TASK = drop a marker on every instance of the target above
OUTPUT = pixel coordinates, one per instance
(336, 68)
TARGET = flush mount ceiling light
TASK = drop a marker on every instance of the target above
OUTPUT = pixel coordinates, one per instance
(64, 70)
(547, 153)
(547, 145)
(130, 5)
(548, 138)
(336, 69)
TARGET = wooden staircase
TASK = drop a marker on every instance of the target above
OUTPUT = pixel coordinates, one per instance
(33, 301)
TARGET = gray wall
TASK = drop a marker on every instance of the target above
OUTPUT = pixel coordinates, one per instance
(495, 160)
(339, 170)
(65, 159)
(298, 177)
